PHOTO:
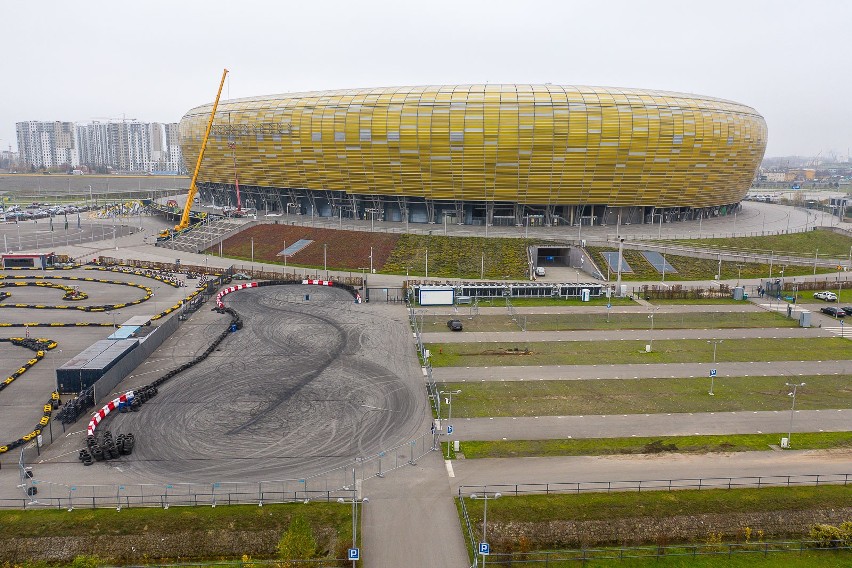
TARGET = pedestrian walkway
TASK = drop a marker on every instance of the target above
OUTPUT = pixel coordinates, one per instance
(841, 330)
(411, 519)
(631, 425)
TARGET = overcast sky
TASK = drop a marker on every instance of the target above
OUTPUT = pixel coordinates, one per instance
(153, 60)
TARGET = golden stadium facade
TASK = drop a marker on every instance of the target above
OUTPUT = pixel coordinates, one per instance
(495, 154)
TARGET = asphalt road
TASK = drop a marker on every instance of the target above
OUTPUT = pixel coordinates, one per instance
(790, 369)
(304, 387)
(627, 425)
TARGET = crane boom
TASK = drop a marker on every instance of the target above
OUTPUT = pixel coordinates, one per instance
(193, 189)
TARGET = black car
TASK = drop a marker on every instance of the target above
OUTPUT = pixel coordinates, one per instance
(833, 312)
(847, 309)
(454, 325)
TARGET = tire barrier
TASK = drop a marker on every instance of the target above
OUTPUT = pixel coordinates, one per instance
(107, 448)
(70, 292)
(4, 295)
(145, 273)
(76, 407)
(40, 281)
(45, 419)
(38, 345)
(224, 292)
(57, 324)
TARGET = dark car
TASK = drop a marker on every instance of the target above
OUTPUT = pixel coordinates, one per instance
(847, 309)
(833, 312)
(454, 325)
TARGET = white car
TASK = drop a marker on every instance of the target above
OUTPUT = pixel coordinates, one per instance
(826, 296)
(539, 271)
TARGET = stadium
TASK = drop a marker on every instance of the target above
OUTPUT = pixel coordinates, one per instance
(511, 155)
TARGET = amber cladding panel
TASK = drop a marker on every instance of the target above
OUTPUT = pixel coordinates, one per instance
(530, 144)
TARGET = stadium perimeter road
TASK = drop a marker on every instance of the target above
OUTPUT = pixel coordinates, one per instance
(627, 425)
(304, 387)
(645, 467)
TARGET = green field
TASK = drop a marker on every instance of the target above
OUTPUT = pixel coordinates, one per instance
(580, 321)
(648, 445)
(828, 243)
(627, 352)
(644, 396)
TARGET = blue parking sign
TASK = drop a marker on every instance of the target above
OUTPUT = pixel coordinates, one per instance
(484, 548)
(354, 554)
(449, 429)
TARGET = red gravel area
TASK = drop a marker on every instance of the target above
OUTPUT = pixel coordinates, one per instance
(346, 249)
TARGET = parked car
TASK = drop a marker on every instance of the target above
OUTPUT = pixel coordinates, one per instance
(833, 312)
(847, 309)
(455, 325)
(826, 296)
(539, 271)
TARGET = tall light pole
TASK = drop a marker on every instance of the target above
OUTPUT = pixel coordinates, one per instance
(325, 259)
(252, 250)
(651, 317)
(485, 498)
(114, 326)
(371, 260)
(427, 263)
(792, 410)
(449, 400)
(715, 343)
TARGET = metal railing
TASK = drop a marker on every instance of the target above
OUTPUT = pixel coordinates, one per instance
(698, 483)
(324, 486)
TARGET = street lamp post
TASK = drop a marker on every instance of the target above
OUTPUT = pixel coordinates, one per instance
(792, 410)
(252, 250)
(651, 317)
(715, 343)
(485, 498)
(449, 400)
(325, 259)
(114, 326)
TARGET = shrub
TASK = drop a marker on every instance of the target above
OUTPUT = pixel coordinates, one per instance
(829, 536)
(298, 542)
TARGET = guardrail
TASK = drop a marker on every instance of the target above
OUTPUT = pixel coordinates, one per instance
(699, 483)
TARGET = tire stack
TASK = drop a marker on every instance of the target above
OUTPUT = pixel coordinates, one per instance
(124, 443)
(109, 448)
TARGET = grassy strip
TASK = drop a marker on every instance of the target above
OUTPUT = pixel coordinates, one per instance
(656, 504)
(545, 302)
(753, 558)
(96, 522)
(579, 321)
(629, 352)
(646, 445)
(690, 268)
(827, 243)
(644, 396)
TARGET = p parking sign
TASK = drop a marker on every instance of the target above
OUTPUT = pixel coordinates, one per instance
(484, 548)
(354, 554)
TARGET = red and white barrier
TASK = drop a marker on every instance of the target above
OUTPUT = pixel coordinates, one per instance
(108, 407)
(318, 282)
(226, 291)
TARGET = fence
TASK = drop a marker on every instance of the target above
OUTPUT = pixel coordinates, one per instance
(417, 326)
(660, 484)
(325, 486)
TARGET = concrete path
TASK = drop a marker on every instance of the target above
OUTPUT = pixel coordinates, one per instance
(411, 519)
(627, 425)
(790, 369)
(647, 467)
(623, 335)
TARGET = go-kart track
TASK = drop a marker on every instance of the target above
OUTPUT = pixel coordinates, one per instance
(306, 386)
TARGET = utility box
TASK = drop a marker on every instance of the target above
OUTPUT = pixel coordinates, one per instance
(785, 443)
(739, 293)
(585, 294)
(805, 319)
(623, 292)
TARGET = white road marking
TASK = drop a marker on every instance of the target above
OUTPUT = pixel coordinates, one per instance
(449, 465)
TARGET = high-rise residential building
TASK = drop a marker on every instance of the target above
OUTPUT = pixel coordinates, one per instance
(129, 146)
(174, 157)
(47, 144)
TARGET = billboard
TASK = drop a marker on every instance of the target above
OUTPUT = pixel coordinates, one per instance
(436, 295)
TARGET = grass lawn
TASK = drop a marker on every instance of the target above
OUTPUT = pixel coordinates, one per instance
(828, 243)
(644, 396)
(578, 321)
(682, 557)
(691, 268)
(543, 302)
(695, 301)
(645, 445)
(94, 522)
(657, 504)
(621, 352)
(844, 297)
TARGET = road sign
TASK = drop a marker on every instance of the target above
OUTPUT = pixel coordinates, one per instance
(484, 548)
(449, 429)
(712, 372)
(609, 305)
(354, 554)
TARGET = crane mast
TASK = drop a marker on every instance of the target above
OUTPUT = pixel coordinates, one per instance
(193, 188)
